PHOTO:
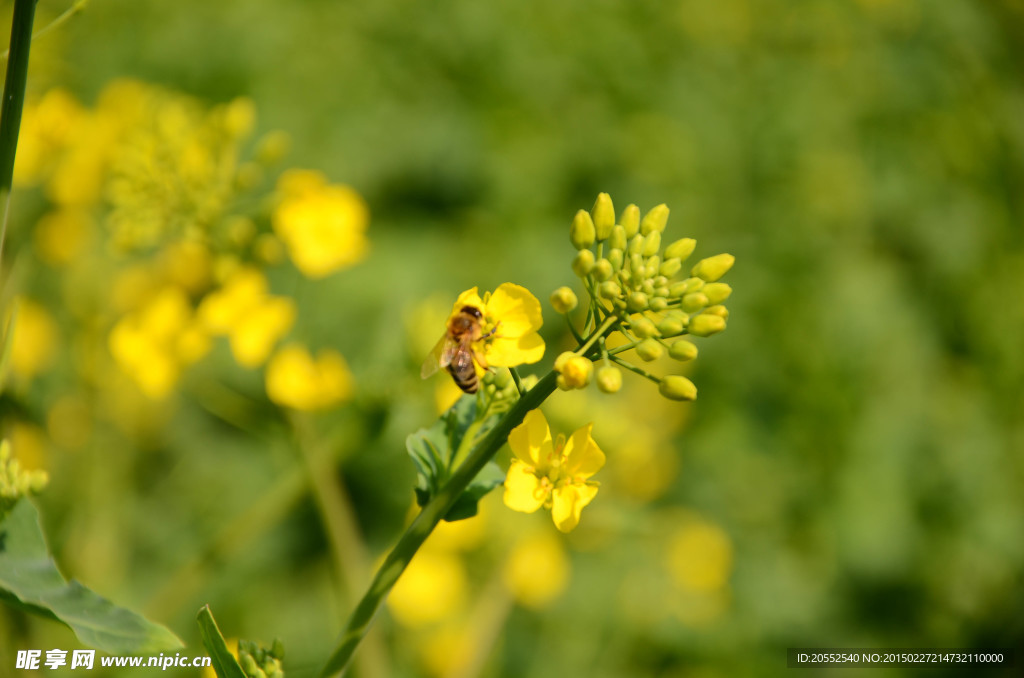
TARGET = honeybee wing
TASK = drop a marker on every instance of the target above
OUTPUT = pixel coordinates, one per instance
(440, 357)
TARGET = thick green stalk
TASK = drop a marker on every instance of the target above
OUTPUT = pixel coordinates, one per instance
(13, 102)
(427, 520)
(14, 88)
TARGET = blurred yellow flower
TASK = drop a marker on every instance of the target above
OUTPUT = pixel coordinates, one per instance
(537, 570)
(431, 589)
(514, 315)
(296, 380)
(153, 344)
(700, 556)
(252, 319)
(322, 225)
(552, 474)
(46, 128)
(188, 264)
(34, 340)
(61, 235)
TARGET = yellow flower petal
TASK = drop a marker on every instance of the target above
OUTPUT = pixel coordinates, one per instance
(568, 503)
(517, 310)
(531, 441)
(254, 336)
(470, 297)
(523, 491)
(509, 352)
(583, 458)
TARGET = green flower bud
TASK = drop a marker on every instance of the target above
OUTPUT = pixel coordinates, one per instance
(38, 479)
(675, 387)
(562, 384)
(658, 304)
(618, 238)
(603, 269)
(655, 220)
(693, 302)
(705, 325)
(660, 281)
(643, 328)
(713, 268)
(626, 277)
(694, 284)
(583, 264)
(636, 264)
(277, 649)
(661, 291)
(615, 259)
(249, 665)
(683, 350)
(609, 379)
(637, 301)
(671, 326)
(609, 290)
(582, 232)
(717, 292)
(562, 359)
(678, 289)
(680, 249)
(650, 349)
(563, 300)
(718, 310)
(576, 371)
(670, 267)
(604, 216)
(652, 243)
(647, 287)
(630, 220)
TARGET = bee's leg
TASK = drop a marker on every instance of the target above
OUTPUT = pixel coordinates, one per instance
(480, 360)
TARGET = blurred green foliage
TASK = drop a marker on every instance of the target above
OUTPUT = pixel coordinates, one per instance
(854, 458)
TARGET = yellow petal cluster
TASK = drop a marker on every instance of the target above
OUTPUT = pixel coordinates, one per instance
(251, 318)
(296, 380)
(553, 474)
(154, 344)
(322, 225)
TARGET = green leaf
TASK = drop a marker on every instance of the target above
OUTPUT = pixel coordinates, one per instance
(29, 580)
(466, 505)
(223, 662)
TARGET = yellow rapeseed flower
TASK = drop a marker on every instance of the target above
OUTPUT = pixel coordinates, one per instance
(551, 473)
(61, 235)
(154, 344)
(431, 589)
(34, 340)
(47, 126)
(252, 319)
(514, 316)
(322, 225)
(296, 380)
(537, 570)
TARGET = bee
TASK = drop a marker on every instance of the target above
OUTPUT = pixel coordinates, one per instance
(455, 351)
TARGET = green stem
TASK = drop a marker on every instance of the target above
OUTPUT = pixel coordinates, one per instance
(516, 378)
(14, 101)
(637, 370)
(417, 533)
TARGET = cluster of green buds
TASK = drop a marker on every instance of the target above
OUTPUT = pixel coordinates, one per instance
(16, 482)
(259, 662)
(637, 287)
(499, 391)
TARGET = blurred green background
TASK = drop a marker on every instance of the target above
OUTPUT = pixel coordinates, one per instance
(851, 475)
